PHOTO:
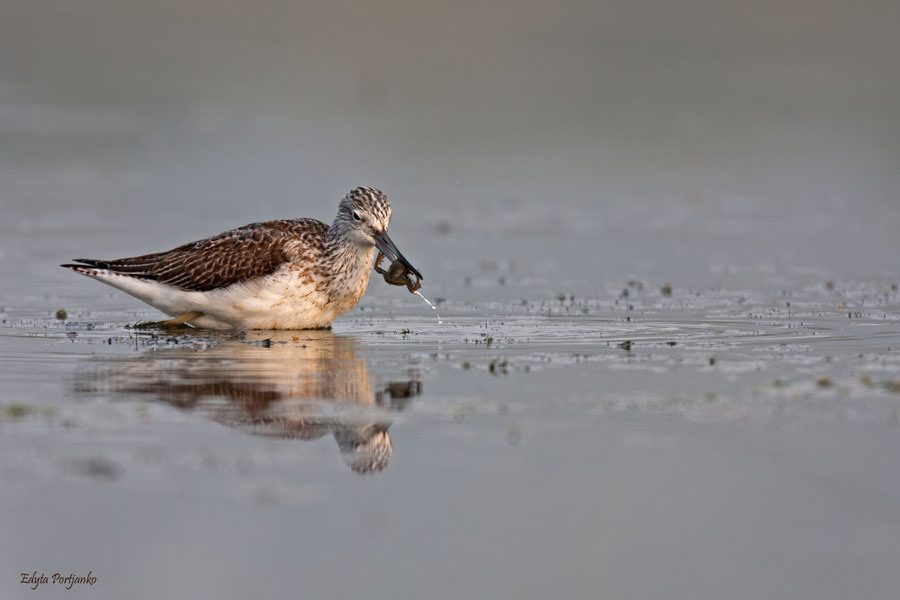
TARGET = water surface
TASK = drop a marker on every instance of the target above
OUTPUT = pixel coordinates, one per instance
(662, 243)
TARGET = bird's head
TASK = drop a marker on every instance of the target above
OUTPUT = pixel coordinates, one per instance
(363, 218)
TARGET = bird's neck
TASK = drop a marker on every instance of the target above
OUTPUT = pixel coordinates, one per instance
(351, 266)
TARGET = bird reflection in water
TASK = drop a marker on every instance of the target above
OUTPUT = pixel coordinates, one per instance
(297, 385)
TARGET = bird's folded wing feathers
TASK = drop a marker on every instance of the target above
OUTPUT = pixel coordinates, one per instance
(233, 256)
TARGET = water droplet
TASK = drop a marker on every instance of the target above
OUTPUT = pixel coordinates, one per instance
(433, 307)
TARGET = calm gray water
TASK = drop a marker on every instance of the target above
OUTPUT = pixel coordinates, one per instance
(662, 240)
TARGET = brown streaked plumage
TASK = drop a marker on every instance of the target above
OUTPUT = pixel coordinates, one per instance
(219, 261)
(287, 274)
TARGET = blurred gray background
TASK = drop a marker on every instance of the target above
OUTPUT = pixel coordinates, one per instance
(746, 153)
(763, 135)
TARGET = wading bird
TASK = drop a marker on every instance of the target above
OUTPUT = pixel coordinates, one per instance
(288, 274)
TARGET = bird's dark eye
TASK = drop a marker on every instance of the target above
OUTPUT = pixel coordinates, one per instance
(356, 216)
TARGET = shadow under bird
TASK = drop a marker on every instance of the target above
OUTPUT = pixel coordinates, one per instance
(287, 274)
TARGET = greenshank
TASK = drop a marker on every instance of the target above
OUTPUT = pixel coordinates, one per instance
(287, 274)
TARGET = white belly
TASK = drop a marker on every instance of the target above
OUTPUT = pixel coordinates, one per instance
(282, 300)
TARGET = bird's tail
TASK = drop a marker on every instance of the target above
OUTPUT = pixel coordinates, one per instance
(87, 266)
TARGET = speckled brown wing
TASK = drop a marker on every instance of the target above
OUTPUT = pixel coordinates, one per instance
(237, 255)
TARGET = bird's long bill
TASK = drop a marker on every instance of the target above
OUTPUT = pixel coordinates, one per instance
(387, 247)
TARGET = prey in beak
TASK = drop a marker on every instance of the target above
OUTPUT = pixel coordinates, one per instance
(389, 249)
(400, 269)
